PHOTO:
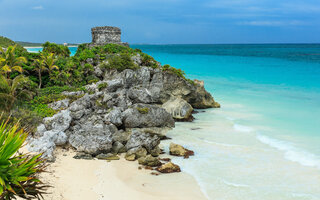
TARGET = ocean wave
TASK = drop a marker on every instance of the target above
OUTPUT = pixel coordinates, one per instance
(291, 152)
(230, 118)
(303, 195)
(242, 128)
(234, 184)
(221, 144)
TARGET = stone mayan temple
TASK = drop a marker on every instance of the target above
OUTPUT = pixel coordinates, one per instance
(106, 34)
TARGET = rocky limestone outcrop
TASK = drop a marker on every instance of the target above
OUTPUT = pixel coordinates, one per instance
(130, 112)
(179, 108)
(150, 85)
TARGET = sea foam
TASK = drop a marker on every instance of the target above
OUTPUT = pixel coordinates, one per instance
(291, 152)
(235, 184)
(242, 128)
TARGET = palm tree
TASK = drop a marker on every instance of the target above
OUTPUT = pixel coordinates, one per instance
(12, 89)
(46, 63)
(39, 67)
(9, 62)
(49, 61)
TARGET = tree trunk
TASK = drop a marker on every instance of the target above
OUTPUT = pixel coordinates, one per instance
(40, 81)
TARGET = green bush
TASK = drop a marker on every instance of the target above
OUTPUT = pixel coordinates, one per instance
(18, 172)
(106, 49)
(173, 70)
(85, 54)
(92, 79)
(102, 86)
(56, 49)
(120, 62)
(42, 110)
(148, 61)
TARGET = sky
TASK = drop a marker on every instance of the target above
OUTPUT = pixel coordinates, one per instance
(163, 21)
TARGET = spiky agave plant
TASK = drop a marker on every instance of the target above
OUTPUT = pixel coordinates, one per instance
(18, 171)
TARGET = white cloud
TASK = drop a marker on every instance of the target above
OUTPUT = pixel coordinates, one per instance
(37, 8)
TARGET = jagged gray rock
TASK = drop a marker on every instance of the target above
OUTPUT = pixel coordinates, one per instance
(118, 147)
(58, 122)
(58, 105)
(47, 143)
(140, 139)
(114, 116)
(93, 138)
(145, 115)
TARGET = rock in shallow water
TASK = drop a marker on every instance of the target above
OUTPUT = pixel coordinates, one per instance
(178, 150)
(168, 168)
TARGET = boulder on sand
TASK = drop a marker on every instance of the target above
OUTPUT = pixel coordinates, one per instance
(149, 161)
(178, 150)
(168, 168)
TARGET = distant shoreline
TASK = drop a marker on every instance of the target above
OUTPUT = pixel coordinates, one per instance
(42, 47)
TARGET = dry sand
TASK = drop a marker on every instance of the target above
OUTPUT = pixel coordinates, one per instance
(73, 179)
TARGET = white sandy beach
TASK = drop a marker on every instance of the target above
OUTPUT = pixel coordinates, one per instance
(73, 179)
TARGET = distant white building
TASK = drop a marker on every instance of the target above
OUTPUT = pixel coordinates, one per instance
(65, 44)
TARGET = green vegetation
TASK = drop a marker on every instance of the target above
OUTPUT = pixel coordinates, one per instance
(173, 70)
(148, 61)
(13, 89)
(9, 62)
(56, 49)
(178, 72)
(29, 44)
(120, 63)
(46, 63)
(6, 42)
(143, 110)
(102, 86)
(18, 172)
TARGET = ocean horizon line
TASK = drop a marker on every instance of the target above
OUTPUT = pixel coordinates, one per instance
(159, 44)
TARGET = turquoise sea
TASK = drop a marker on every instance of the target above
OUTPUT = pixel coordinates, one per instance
(264, 142)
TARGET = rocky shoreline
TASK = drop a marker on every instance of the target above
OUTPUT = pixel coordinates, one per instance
(131, 114)
(126, 111)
